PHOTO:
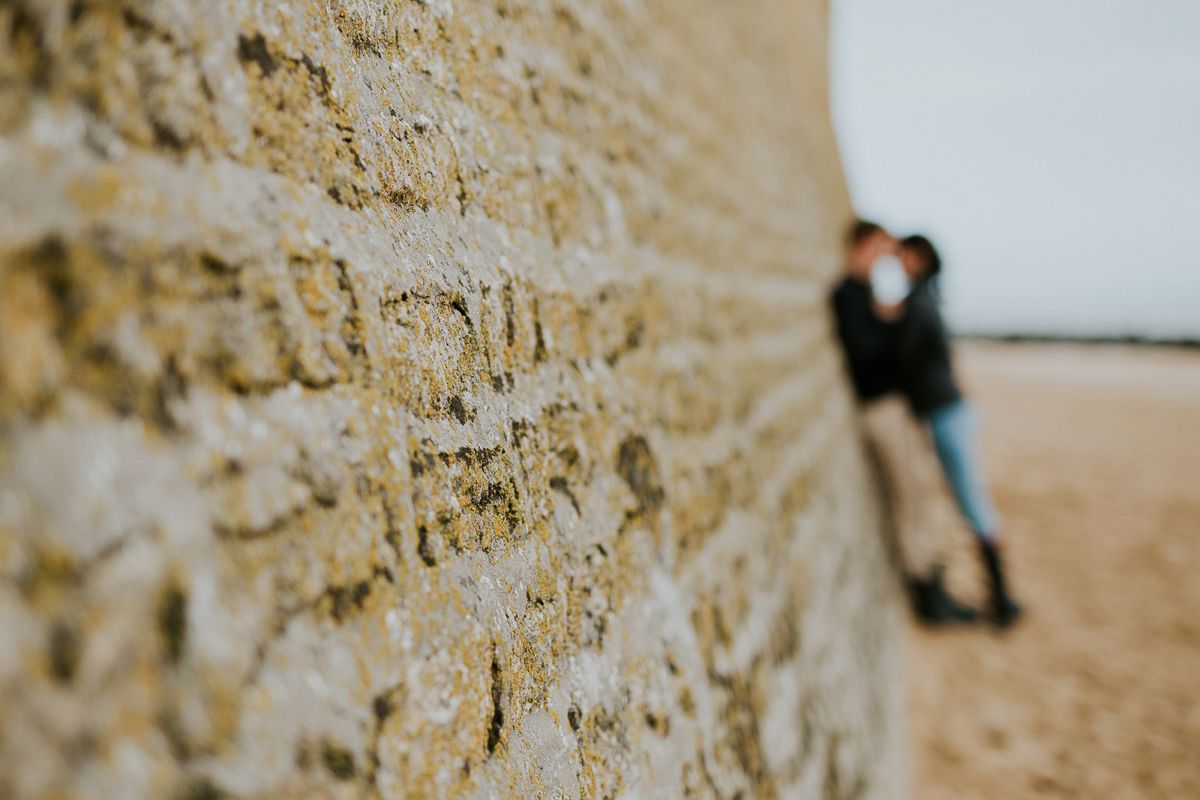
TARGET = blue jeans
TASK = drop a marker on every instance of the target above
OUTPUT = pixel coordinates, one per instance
(954, 428)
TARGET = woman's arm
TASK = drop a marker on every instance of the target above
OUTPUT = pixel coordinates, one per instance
(889, 312)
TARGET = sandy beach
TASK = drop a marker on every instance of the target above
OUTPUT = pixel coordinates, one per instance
(1094, 456)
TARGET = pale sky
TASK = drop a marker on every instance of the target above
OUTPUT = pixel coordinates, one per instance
(1051, 148)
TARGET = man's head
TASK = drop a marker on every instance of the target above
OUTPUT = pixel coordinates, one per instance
(866, 242)
(919, 257)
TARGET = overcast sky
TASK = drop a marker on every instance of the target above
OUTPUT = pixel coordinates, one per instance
(1051, 147)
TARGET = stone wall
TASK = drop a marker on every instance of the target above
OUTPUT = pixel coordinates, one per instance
(416, 398)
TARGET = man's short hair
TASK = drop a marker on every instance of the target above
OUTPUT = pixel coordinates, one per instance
(860, 230)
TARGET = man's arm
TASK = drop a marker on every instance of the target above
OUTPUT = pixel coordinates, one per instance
(865, 341)
(861, 341)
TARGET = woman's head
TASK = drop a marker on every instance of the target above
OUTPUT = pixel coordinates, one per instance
(919, 257)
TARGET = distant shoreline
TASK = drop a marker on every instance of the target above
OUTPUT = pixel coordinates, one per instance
(1051, 338)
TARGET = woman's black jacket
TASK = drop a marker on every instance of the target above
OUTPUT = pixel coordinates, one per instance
(925, 372)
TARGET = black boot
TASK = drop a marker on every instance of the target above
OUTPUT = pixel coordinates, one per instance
(1005, 610)
(934, 605)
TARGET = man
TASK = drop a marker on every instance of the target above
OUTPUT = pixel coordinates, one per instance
(869, 343)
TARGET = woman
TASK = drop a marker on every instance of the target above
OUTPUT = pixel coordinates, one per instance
(927, 380)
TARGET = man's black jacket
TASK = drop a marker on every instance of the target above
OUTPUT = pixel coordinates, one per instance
(869, 342)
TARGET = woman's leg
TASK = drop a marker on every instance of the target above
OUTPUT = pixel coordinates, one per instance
(955, 437)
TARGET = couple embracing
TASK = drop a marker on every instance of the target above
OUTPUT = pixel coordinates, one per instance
(898, 353)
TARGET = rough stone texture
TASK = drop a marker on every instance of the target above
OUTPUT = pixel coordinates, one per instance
(416, 398)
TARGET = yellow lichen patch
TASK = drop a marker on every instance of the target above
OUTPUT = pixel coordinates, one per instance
(299, 128)
(31, 361)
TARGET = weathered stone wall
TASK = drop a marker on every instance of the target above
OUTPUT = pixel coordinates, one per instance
(416, 398)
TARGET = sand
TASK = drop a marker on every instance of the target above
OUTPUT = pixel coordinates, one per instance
(1094, 456)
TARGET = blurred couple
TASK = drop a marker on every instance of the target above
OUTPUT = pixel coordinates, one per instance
(897, 349)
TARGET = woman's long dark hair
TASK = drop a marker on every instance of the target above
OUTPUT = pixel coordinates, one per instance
(929, 254)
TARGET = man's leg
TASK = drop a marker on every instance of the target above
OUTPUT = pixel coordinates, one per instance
(896, 440)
